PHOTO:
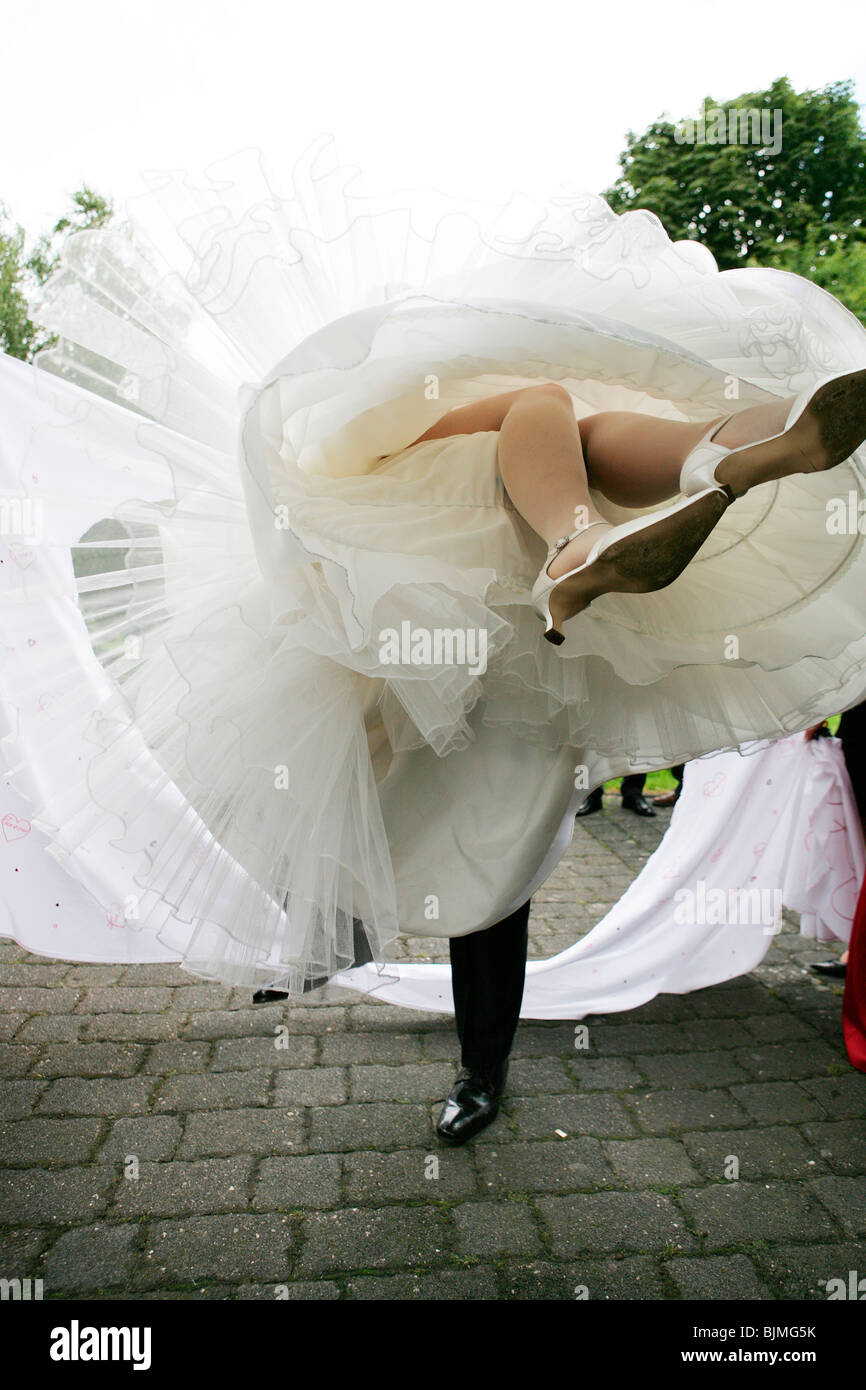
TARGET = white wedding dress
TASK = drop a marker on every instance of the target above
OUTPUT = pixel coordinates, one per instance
(229, 517)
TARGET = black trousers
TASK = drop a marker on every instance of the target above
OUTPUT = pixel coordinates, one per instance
(852, 732)
(488, 971)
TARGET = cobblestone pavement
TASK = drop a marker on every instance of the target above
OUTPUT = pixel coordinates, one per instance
(313, 1166)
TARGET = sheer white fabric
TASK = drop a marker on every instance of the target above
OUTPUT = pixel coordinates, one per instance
(194, 673)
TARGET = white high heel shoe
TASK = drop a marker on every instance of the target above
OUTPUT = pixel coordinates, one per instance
(825, 422)
(636, 557)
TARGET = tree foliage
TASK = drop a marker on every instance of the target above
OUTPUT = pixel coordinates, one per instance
(23, 269)
(794, 202)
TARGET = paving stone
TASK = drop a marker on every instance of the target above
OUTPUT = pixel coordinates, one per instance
(11, 1026)
(595, 1222)
(53, 1141)
(427, 1081)
(148, 1137)
(128, 1027)
(19, 1098)
(238, 1054)
(637, 1039)
(236, 1246)
(713, 1034)
(438, 1174)
(43, 1196)
(372, 1125)
(660, 1096)
(496, 1228)
(737, 1002)
(169, 1058)
(22, 1253)
(94, 975)
(790, 1060)
(435, 1045)
(286, 1183)
(17, 1060)
(560, 1165)
(665, 1008)
(841, 1097)
(717, 1277)
(303, 1290)
(212, 1090)
(104, 1096)
(259, 1131)
(846, 1199)
(603, 1116)
(775, 1028)
(148, 999)
(777, 1152)
(312, 1086)
(802, 1271)
(377, 1015)
(664, 1111)
(543, 1040)
(536, 1076)
(840, 1143)
(28, 999)
(730, 1213)
(379, 1048)
(32, 971)
(155, 974)
(354, 1239)
(632, 1277)
(199, 1293)
(650, 1162)
(604, 1073)
(699, 1069)
(172, 1188)
(461, 1285)
(51, 1028)
(196, 998)
(92, 1257)
(90, 1059)
(255, 1022)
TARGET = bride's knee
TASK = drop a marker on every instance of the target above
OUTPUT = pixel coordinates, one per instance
(545, 392)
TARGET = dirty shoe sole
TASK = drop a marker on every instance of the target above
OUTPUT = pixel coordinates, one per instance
(650, 559)
(827, 432)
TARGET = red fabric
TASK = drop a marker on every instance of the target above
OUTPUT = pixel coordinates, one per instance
(854, 1003)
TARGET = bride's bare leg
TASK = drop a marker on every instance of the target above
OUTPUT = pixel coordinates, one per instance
(636, 460)
(542, 467)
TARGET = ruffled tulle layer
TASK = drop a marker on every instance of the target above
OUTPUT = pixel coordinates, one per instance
(233, 678)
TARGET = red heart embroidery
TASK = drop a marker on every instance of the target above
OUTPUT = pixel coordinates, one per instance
(23, 558)
(14, 828)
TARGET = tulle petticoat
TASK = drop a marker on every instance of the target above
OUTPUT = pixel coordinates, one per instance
(240, 560)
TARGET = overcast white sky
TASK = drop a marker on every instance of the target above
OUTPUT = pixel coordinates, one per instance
(472, 96)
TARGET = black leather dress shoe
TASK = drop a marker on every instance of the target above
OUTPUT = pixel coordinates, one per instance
(591, 803)
(835, 968)
(472, 1104)
(639, 805)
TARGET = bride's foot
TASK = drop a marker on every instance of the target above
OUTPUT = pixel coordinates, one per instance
(636, 557)
(576, 551)
(826, 431)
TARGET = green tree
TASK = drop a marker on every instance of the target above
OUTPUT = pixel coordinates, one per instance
(21, 270)
(753, 203)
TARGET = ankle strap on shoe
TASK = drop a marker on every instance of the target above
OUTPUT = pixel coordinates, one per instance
(563, 540)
